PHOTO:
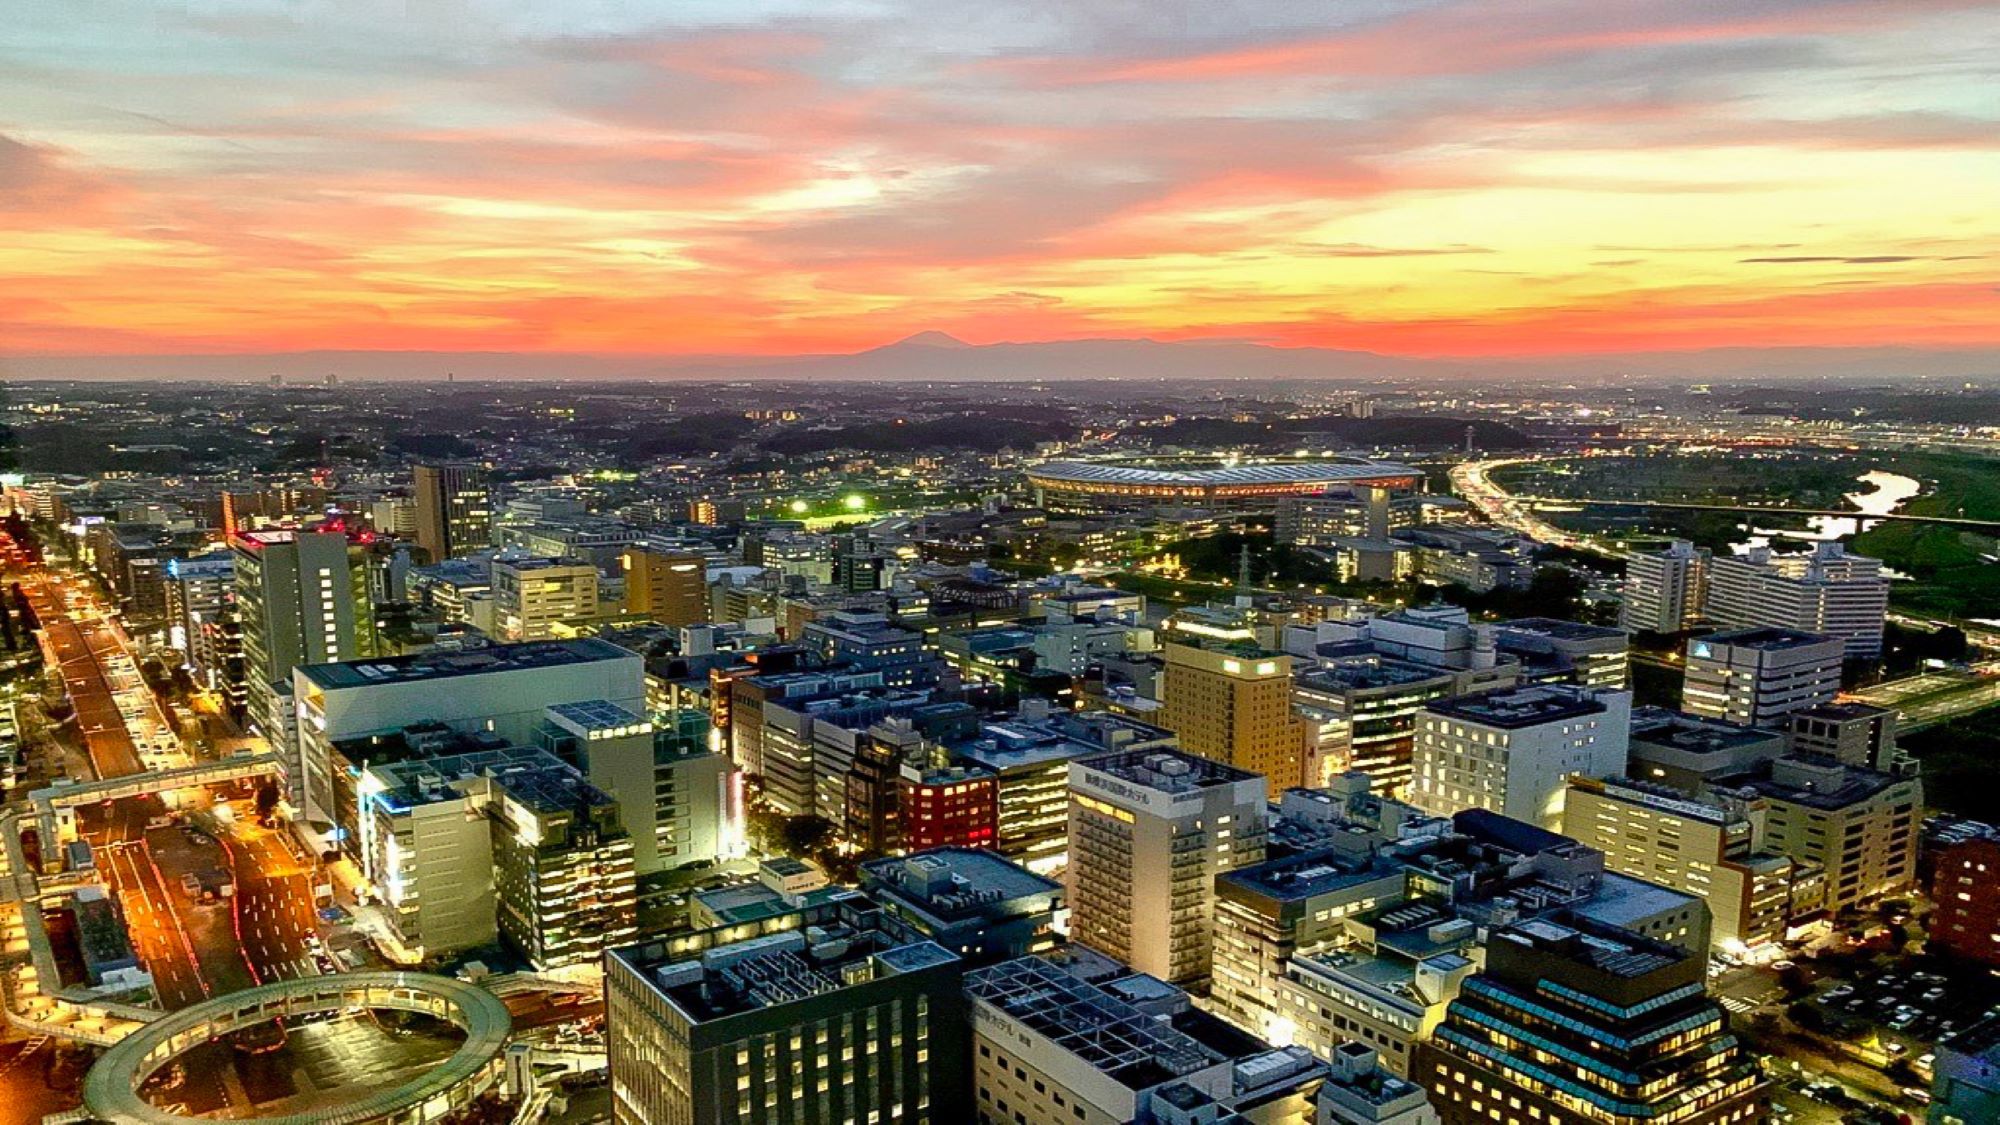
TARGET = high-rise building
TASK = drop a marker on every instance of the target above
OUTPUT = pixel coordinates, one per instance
(667, 586)
(680, 800)
(394, 515)
(1861, 826)
(1575, 1022)
(533, 597)
(832, 1013)
(946, 806)
(1029, 756)
(506, 842)
(1361, 714)
(295, 598)
(1755, 677)
(1149, 831)
(1709, 848)
(454, 510)
(203, 623)
(1513, 752)
(1268, 913)
(1233, 704)
(503, 690)
(1664, 589)
(1369, 513)
(1828, 591)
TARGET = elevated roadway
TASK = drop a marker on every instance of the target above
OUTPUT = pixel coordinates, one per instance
(111, 1089)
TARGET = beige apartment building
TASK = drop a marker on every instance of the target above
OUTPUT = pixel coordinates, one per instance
(1233, 704)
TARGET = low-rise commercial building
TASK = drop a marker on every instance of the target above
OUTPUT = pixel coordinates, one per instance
(1709, 848)
(972, 902)
(1051, 1047)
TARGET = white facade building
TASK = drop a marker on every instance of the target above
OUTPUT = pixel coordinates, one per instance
(1828, 591)
(1664, 589)
(1513, 752)
(1756, 677)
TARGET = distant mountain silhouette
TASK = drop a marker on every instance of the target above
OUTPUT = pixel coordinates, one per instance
(941, 357)
(931, 339)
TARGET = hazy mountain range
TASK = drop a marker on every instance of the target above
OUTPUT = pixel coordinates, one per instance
(937, 356)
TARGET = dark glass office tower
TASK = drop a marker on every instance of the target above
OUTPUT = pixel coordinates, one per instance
(1574, 1022)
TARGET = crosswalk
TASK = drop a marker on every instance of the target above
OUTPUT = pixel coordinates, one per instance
(1737, 1004)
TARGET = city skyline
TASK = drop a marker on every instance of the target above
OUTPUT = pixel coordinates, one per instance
(770, 180)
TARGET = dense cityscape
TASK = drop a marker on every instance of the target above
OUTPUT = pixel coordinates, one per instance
(1346, 753)
(999, 562)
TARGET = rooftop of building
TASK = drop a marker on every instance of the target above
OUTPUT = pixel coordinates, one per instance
(742, 903)
(785, 967)
(1393, 976)
(1817, 781)
(1167, 771)
(995, 638)
(1661, 726)
(1605, 948)
(1317, 872)
(1559, 629)
(1980, 1039)
(1517, 708)
(1028, 740)
(1371, 672)
(955, 884)
(1488, 827)
(1243, 649)
(1761, 639)
(430, 739)
(600, 716)
(529, 564)
(1079, 594)
(1357, 1072)
(528, 656)
(538, 780)
(873, 627)
(1621, 900)
(1103, 1032)
(1654, 795)
(1842, 712)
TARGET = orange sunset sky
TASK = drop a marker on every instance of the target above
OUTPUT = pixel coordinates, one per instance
(1483, 177)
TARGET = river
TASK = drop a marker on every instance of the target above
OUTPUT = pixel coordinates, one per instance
(1886, 493)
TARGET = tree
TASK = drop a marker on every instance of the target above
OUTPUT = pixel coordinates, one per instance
(802, 836)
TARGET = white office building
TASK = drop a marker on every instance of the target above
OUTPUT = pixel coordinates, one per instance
(1756, 677)
(1513, 752)
(503, 690)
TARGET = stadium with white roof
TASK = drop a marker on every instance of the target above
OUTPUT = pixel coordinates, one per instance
(1096, 485)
